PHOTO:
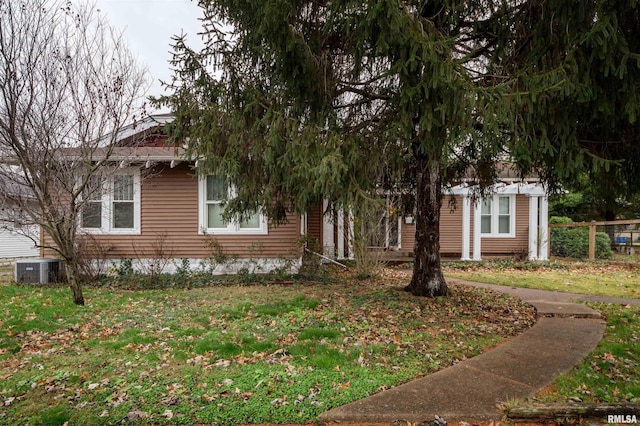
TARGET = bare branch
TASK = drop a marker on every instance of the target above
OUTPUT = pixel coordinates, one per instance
(67, 81)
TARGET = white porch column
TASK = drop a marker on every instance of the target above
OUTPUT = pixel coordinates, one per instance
(543, 254)
(303, 224)
(350, 234)
(340, 233)
(477, 230)
(328, 243)
(533, 227)
(466, 227)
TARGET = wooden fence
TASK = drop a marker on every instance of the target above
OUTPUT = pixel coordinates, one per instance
(592, 230)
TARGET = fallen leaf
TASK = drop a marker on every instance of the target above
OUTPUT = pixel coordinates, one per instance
(137, 414)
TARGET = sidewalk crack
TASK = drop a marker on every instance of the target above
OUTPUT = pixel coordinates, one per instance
(500, 376)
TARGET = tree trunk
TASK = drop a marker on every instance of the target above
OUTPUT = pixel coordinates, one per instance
(428, 279)
(75, 282)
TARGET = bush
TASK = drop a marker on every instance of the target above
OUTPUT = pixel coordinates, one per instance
(574, 242)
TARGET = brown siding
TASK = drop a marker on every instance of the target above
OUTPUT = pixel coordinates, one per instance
(408, 236)
(169, 206)
(314, 223)
(451, 226)
(451, 231)
(510, 246)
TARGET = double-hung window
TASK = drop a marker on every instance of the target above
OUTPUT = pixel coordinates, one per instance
(123, 202)
(111, 204)
(213, 192)
(497, 216)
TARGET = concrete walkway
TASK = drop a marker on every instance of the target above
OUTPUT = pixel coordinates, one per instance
(532, 295)
(472, 390)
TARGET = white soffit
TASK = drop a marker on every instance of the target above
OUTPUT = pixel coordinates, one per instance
(530, 189)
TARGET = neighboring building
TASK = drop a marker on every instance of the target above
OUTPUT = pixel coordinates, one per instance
(155, 208)
(17, 238)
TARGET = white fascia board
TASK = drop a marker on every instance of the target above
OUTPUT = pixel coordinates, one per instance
(530, 189)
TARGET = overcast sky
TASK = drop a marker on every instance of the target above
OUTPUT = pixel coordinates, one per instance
(148, 25)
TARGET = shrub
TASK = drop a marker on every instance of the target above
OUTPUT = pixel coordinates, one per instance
(574, 242)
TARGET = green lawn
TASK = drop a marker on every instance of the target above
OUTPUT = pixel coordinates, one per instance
(602, 278)
(229, 354)
(611, 373)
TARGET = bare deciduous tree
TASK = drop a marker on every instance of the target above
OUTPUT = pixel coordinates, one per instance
(68, 84)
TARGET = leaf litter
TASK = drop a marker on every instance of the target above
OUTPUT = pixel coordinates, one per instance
(138, 358)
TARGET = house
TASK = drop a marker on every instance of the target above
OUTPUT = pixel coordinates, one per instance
(18, 239)
(156, 211)
(513, 221)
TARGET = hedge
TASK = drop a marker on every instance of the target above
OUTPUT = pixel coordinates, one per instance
(574, 242)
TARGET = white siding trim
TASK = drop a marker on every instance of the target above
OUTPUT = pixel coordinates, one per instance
(340, 234)
(466, 227)
(533, 228)
(543, 253)
(477, 231)
(328, 243)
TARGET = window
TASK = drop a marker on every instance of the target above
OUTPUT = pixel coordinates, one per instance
(123, 202)
(214, 191)
(92, 209)
(497, 216)
(112, 204)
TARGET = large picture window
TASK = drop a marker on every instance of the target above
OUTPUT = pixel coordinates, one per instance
(497, 216)
(112, 203)
(214, 191)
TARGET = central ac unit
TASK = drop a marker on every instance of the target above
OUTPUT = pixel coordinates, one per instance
(40, 271)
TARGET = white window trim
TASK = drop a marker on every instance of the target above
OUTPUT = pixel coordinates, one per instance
(495, 204)
(107, 202)
(233, 228)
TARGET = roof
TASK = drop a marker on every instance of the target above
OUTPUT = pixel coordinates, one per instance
(148, 125)
(12, 186)
(142, 141)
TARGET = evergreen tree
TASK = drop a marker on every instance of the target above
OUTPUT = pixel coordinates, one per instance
(296, 101)
(575, 74)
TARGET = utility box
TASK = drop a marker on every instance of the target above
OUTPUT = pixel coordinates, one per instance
(38, 271)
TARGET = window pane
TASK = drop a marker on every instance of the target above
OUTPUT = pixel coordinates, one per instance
(92, 215)
(217, 188)
(504, 205)
(486, 207)
(93, 189)
(251, 222)
(485, 224)
(214, 216)
(504, 223)
(123, 188)
(123, 215)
